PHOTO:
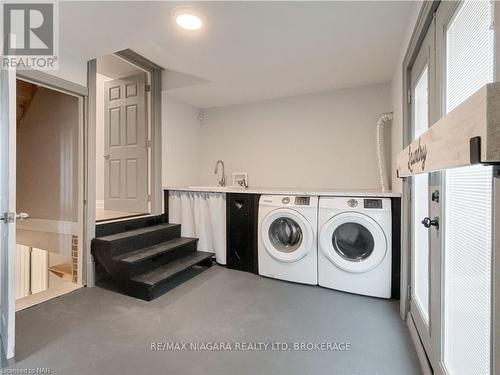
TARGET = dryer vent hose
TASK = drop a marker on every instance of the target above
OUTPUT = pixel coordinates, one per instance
(381, 152)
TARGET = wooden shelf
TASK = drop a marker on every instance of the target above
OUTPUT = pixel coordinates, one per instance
(468, 135)
(63, 270)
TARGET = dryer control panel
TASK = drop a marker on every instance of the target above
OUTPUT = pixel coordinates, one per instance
(302, 201)
(372, 203)
(298, 201)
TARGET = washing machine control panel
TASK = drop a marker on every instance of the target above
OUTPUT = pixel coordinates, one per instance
(302, 201)
(373, 203)
(297, 201)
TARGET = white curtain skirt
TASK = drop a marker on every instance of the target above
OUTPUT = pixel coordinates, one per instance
(203, 216)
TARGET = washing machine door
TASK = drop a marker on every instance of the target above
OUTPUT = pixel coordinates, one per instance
(354, 242)
(287, 235)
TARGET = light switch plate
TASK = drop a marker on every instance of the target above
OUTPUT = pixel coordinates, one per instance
(240, 179)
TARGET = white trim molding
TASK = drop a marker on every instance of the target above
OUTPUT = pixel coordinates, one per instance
(49, 226)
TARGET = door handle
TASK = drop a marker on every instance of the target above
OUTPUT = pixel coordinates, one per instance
(22, 216)
(106, 156)
(428, 222)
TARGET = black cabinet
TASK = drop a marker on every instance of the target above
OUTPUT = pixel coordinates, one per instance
(396, 247)
(242, 231)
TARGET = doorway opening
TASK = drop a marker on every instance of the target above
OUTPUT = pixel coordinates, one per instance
(123, 139)
(49, 175)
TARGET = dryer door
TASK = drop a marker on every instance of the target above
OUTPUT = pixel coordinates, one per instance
(353, 242)
(287, 235)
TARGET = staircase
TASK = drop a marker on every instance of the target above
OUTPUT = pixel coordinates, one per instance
(25, 93)
(144, 255)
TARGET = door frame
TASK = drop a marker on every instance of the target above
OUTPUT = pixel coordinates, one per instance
(80, 92)
(495, 276)
(8, 287)
(155, 114)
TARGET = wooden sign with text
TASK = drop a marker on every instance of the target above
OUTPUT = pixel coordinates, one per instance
(467, 135)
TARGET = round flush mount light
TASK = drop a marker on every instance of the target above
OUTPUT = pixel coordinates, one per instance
(188, 20)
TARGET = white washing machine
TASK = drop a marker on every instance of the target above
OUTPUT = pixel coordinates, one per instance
(288, 238)
(355, 251)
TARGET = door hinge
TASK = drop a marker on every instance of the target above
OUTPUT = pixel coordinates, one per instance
(408, 96)
(148, 143)
(8, 217)
(496, 171)
(149, 197)
(148, 88)
(408, 293)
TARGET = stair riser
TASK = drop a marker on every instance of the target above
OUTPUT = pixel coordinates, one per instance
(101, 250)
(107, 229)
(148, 293)
(159, 260)
(126, 245)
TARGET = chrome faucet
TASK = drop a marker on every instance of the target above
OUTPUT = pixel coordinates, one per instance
(222, 181)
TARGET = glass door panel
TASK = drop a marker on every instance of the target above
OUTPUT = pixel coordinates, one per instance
(468, 196)
(421, 203)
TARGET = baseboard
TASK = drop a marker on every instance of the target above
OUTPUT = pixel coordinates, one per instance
(46, 295)
(3, 356)
(4, 361)
(422, 357)
(99, 204)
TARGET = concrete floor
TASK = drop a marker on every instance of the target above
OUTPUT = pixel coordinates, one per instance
(97, 331)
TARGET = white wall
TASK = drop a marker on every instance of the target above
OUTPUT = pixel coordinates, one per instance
(181, 141)
(398, 96)
(71, 69)
(321, 140)
(47, 157)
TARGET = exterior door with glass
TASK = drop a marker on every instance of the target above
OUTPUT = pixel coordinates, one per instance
(425, 209)
(466, 57)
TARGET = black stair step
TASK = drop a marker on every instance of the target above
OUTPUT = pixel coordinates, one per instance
(147, 253)
(161, 274)
(124, 242)
(136, 232)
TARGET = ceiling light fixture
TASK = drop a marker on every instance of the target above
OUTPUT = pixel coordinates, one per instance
(188, 21)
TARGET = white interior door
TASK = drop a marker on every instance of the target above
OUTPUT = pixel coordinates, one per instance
(126, 156)
(7, 209)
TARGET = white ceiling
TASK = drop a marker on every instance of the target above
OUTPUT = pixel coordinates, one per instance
(246, 51)
(114, 67)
